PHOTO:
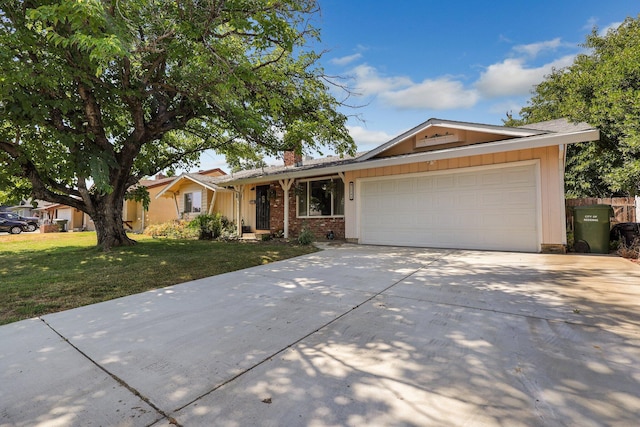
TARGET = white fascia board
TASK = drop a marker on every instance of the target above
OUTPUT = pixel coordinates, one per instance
(210, 186)
(477, 127)
(537, 141)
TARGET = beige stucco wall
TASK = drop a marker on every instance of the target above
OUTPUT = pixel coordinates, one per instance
(160, 210)
(551, 185)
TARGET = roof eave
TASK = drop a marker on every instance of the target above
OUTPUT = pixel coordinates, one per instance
(536, 141)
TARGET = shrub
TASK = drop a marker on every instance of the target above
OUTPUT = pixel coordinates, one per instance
(306, 237)
(213, 226)
(631, 251)
(171, 230)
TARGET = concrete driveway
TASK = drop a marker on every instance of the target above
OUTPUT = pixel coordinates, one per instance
(350, 336)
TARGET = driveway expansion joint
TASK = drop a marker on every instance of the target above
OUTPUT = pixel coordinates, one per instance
(294, 343)
(117, 379)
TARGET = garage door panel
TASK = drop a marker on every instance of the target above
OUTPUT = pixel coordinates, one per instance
(492, 208)
(445, 182)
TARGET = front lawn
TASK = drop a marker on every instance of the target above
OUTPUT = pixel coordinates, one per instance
(46, 273)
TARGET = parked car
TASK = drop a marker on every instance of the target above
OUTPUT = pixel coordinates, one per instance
(13, 227)
(33, 222)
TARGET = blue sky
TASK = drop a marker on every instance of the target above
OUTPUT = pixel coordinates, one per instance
(408, 61)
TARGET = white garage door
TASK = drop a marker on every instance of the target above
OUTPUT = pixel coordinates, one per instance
(481, 208)
(65, 213)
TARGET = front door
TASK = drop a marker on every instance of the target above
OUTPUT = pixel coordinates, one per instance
(262, 207)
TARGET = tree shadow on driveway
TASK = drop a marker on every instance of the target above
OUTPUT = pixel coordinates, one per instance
(462, 341)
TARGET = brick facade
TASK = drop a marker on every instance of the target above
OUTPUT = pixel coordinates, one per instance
(319, 226)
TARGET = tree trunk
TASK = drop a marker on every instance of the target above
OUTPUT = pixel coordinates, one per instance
(109, 225)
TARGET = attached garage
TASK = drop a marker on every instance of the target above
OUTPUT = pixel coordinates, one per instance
(493, 207)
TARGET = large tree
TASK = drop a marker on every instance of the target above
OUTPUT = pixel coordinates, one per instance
(95, 94)
(602, 88)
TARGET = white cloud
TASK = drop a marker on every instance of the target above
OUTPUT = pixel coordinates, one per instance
(511, 77)
(593, 23)
(614, 25)
(368, 82)
(533, 49)
(345, 60)
(367, 139)
(438, 94)
(402, 92)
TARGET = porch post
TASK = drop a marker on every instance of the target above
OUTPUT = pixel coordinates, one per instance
(238, 190)
(286, 186)
(175, 199)
(213, 202)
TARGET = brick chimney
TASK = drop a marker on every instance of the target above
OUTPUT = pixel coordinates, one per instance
(291, 158)
(160, 176)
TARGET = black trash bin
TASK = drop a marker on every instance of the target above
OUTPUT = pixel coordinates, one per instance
(591, 228)
(628, 232)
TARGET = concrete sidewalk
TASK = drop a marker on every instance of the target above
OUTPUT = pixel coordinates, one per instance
(352, 335)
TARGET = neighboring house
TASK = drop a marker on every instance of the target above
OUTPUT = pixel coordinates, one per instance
(181, 197)
(444, 184)
(26, 208)
(76, 219)
(133, 214)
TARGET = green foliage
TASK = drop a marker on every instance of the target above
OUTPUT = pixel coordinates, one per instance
(139, 194)
(245, 159)
(602, 88)
(97, 94)
(306, 236)
(211, 227)
(172, 230)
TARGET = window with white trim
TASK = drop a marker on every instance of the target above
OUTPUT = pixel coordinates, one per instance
(192, 202)
(320, 197)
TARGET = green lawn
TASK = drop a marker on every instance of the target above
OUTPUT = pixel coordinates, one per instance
(46, 273)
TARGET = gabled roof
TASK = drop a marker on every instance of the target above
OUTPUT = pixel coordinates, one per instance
(544, 134)
(451, 124)
(209, 182)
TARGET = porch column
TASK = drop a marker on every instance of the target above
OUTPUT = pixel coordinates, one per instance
(286, 186)
(175, 199)
(213, 202)
(238, 190)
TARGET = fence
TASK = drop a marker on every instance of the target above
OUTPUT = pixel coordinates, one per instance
(624, 208)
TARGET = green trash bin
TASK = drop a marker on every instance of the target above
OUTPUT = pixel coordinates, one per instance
(591, 226)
